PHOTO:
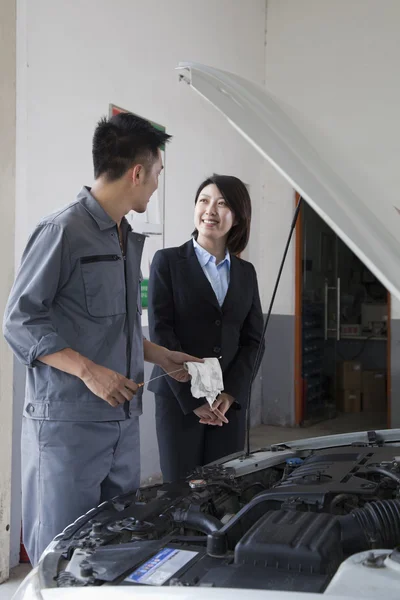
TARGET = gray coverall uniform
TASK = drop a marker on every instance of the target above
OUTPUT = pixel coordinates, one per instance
(74, 289)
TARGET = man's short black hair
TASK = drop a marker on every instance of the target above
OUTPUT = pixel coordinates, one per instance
(122, 141)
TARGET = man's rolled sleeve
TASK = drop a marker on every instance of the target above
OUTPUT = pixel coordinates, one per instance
(49, 344)
(45, 268)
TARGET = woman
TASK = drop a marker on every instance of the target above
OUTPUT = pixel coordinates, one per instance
(204, 300)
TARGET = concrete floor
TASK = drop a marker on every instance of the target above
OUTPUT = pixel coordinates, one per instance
(344, 423)
(8, 588)
(260, 436)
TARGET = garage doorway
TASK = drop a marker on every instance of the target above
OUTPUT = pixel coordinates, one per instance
(342, 316)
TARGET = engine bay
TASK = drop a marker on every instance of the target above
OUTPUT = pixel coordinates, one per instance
(283, 527)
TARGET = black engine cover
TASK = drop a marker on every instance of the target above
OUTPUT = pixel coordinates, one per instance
(292, 541)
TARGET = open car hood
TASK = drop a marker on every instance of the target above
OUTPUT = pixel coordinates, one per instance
(370, 232)
(318, 553)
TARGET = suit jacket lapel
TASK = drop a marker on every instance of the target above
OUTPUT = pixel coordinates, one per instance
(195, 275)
(197, 279)
(235, 283)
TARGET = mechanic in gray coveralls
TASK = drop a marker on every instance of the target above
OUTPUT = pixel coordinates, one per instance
(74, 319)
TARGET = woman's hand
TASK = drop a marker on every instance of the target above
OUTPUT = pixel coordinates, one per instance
(210, 416)
(223, 403)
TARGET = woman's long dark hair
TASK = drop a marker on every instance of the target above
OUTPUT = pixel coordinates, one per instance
(235, 194)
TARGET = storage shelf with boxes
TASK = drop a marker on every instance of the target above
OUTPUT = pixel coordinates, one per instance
(360, 390)
(349, 384)
(374, 394)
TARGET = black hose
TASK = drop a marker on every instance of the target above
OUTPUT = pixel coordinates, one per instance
(261, 347)
(268, 500)
(197, 520)
(377, 525)
(385, 472)
(339, 499)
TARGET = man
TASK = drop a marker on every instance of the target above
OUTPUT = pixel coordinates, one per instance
(74, 319)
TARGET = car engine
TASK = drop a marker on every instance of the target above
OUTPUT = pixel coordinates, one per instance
(284, 527)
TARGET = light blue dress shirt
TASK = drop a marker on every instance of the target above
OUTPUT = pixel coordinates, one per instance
(217, 274)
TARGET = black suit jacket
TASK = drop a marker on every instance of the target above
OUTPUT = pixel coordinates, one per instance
(184, 315)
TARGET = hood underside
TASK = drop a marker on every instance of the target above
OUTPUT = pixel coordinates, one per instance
(265, 122)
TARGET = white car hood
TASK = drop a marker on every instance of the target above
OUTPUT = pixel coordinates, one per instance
(371, 232)
(351, 581)
(176, 593)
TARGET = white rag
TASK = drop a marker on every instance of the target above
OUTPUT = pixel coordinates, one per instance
(207, 381)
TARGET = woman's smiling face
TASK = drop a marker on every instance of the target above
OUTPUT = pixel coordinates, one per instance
(213, 218)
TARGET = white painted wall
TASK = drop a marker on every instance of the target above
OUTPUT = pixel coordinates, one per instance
(7, 197)
(270, 229)
(395, 309)
(81, 56)
(335, 65)
(74, 58)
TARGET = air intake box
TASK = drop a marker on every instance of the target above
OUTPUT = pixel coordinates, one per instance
(292, 541)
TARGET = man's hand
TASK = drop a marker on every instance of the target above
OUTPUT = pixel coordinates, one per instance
(171, 361)
(105, 383)
(210, 416)
(223, 403)
(108, 385)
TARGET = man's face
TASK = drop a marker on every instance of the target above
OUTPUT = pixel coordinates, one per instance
(146, 184)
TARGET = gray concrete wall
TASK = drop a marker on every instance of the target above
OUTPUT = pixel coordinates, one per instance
(149, 459)
(395, 373)
(278, 406)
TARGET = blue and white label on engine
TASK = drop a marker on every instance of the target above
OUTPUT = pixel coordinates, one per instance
(161, 567)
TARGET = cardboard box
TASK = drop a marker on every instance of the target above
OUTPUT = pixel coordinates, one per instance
(374, 391)
(349, 401)
(349, 375)
(373, 313)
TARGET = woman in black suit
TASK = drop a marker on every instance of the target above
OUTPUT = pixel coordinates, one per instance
(204, 300)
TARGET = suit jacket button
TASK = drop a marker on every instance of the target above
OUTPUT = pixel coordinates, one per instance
(218, 322)
(217, 349)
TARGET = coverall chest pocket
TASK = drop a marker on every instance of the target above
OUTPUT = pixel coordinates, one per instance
(104, 283)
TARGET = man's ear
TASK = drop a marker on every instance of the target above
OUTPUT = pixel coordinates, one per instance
(137, 174)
